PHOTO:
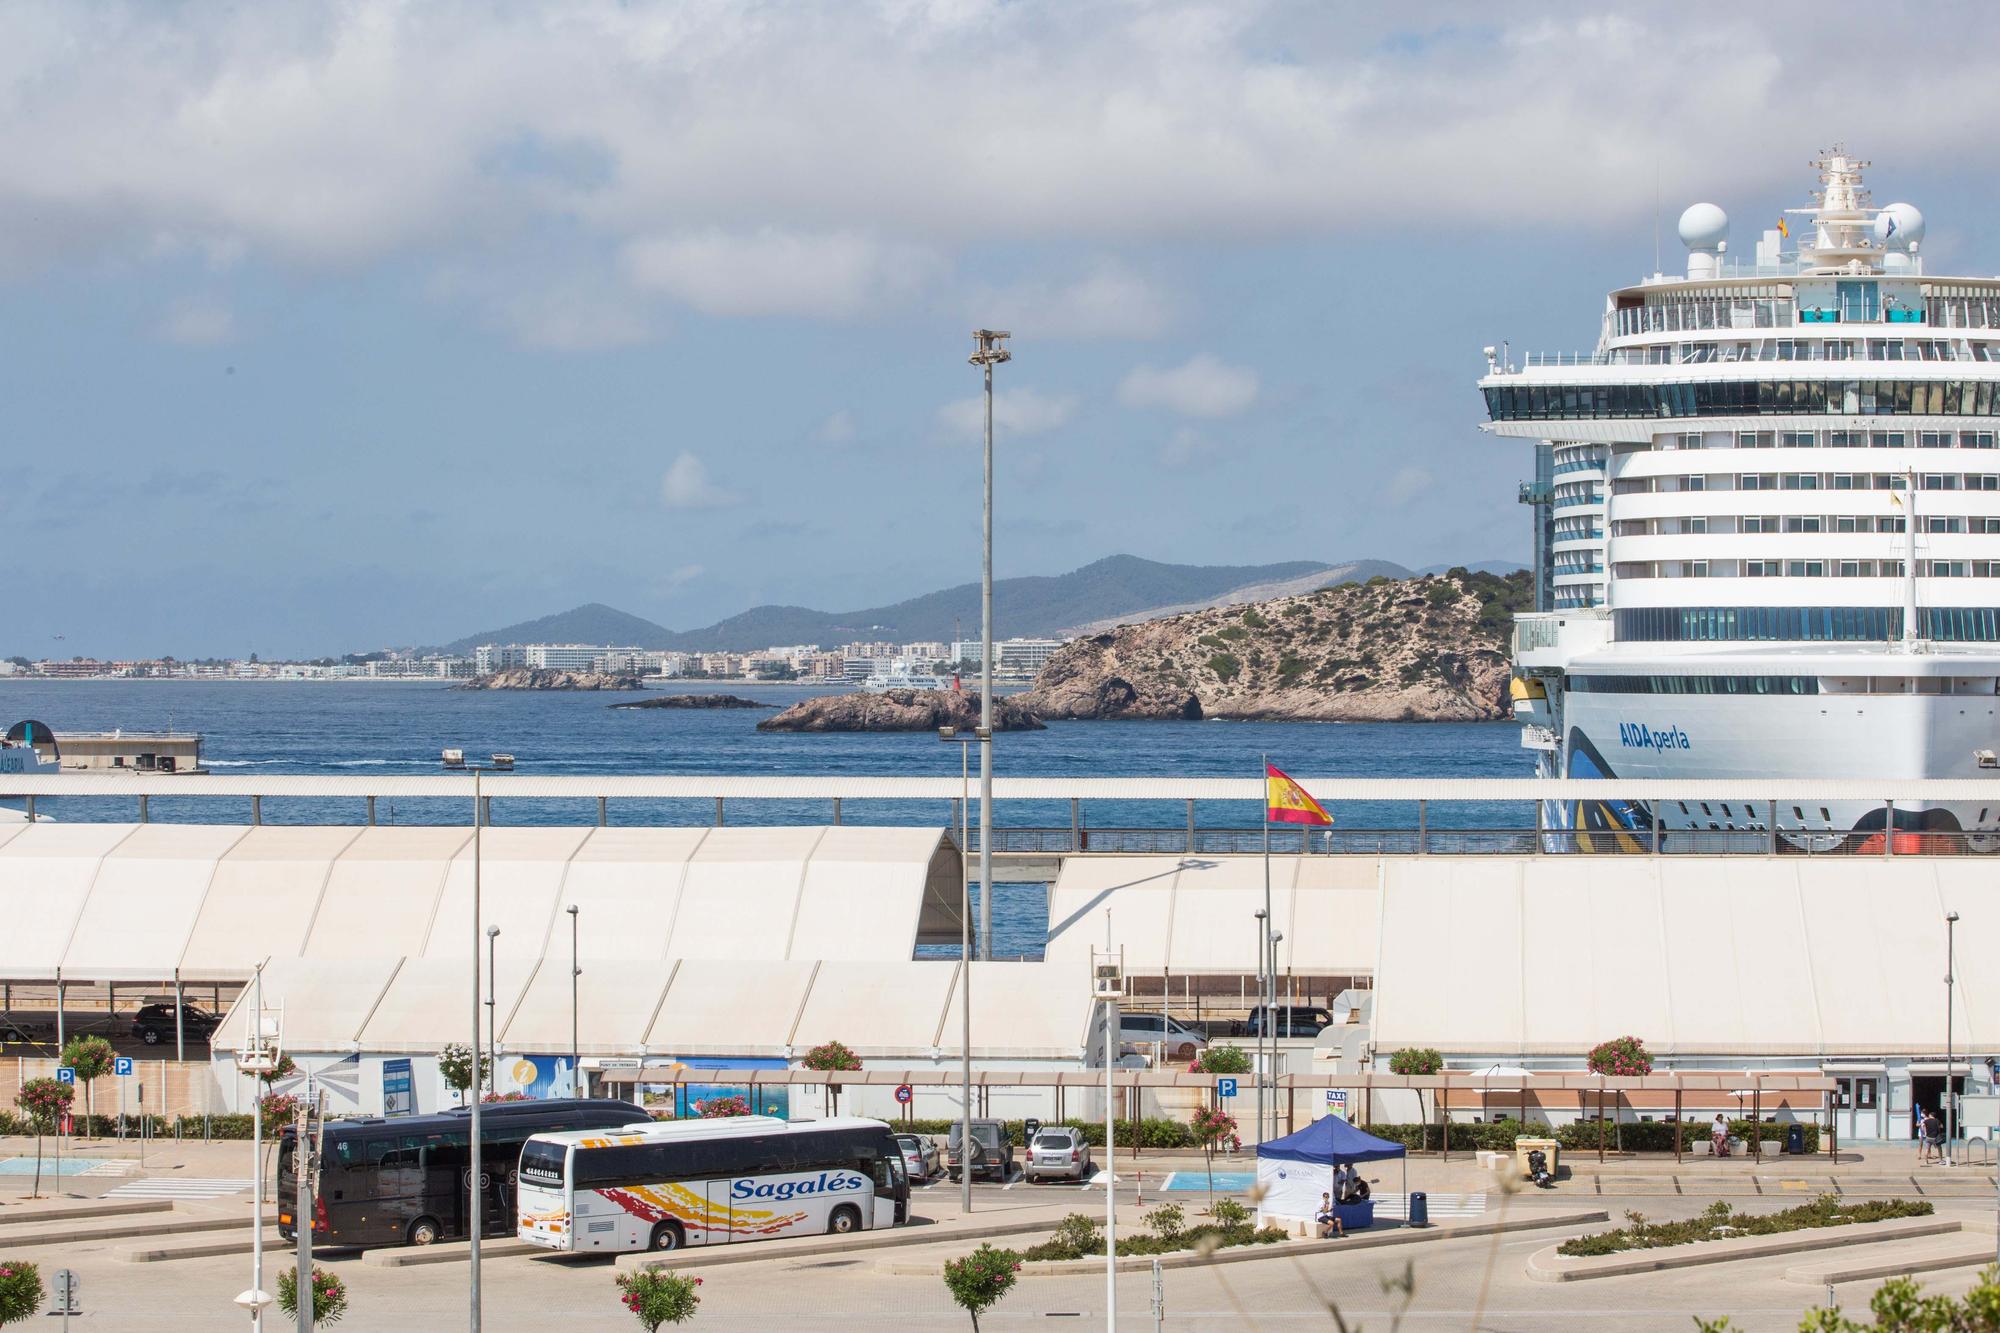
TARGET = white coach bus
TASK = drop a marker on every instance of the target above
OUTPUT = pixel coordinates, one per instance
(708, 1182)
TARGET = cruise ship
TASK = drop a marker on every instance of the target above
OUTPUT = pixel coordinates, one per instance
(1768, 528)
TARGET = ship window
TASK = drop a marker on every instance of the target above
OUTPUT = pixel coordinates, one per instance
(1706, 811)
(1798, 814)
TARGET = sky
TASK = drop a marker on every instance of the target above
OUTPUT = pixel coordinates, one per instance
(327, 327)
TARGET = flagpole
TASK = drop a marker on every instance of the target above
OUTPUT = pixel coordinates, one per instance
(1264, 1027)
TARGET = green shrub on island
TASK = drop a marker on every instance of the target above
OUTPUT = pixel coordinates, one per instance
(329, 1295)
(1720, 1221)
(91, 1058)
(1077, 1236)
(656, 1296)
(20, 1290)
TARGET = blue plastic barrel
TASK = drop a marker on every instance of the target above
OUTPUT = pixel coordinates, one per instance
(1420, 1209)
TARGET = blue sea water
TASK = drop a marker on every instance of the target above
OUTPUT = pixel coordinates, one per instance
(396, 728)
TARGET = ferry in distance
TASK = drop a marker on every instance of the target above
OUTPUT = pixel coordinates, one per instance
(1767, 537)
(902, 676)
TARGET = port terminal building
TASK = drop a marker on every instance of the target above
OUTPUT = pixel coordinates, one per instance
(726, 950)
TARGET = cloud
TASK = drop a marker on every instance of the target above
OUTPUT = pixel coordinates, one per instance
(686, 486)
(1187, 447)
(853, 136)
(1408, 484)
(1015, 412)
(197, 324)
(1108, 301)
(838, 428)
(677, 578)
(770, 271)
(582, 311)
(1203, 387)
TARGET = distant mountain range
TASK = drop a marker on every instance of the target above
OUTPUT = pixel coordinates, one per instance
(1101, 594)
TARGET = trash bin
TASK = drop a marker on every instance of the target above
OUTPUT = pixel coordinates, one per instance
(1420, 1209)
(1795, 1140)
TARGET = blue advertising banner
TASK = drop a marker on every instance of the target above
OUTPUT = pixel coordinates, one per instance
(692, 1097)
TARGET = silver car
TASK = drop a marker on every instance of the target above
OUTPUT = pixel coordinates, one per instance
(920, 1156)
(1059, 1153)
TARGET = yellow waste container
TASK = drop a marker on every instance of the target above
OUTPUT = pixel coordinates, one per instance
(1522, 1146)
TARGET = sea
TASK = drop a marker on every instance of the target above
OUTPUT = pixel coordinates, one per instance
(396, 728)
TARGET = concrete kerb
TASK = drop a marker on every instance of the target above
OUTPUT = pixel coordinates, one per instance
(201, 1249)
(121, 1231)
(449, 1252)
(1948, 1253)
(1545, 1265)
(1243, 1254)
(69, 1212)
(807, 1247)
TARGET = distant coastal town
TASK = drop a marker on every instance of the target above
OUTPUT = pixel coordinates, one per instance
(807, 663)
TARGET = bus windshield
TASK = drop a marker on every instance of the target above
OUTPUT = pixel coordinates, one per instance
(542, 1162)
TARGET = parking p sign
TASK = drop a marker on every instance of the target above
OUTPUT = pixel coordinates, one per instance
(65, 1074)
(1225, 1087)
(122, 1066)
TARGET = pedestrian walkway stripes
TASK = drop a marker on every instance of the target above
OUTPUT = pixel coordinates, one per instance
(168, 1188)
(1397, 1206)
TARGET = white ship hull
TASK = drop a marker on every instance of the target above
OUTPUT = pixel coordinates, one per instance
(1775, 737)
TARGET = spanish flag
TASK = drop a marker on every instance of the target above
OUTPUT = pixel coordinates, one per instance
(1286, 802)
(1784, 229)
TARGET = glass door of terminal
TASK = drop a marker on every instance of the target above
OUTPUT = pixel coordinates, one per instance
(1857, 1106)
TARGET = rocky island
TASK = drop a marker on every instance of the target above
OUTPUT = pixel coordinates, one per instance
(1429, 649)
(538, 678)
(899, 710)
(692, 701)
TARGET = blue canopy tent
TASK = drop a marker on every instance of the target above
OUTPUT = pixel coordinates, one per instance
(1295, 1170)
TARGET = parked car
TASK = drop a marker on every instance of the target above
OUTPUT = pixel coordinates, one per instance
(920, 1156)
(1059, 1153)
(154, 1023)
(15, 1033)
(1149, 1030)
(992, 1150)
(1288, 1020)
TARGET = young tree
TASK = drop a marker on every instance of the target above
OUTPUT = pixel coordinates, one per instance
(91, 1058)
(656, 1296)
(457, 1067)
(329, 1294)
(831, 1055)
(1211, 1126)
(43, 1102)
(980, 1279)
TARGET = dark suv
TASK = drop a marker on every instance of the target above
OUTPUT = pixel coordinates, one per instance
(1288, 1020)
(992, 1150)
(154, 1023)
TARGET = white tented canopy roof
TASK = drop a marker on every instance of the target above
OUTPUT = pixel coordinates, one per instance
(864, 886)
(46, 871)
(730, 1007)
(324, 1004)
(143, 905)
(520, 876)
(263, 898)
(879, 1010)
(615, 1004)
(1025, 1011)
(741, 893)
(1697, 956)
(1198, 914)
(626, 886)
(384, 891)
(430, 1002)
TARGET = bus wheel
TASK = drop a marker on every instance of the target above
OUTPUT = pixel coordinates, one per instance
(845, 1219)
(667, 1236)
(423, 1231)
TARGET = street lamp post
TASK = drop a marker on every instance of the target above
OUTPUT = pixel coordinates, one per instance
(492, 1019)
(988, 351)
(1264, 1020)
(1271, 1022)
(981, 736)
(474, 1185)
(1950, 985)
(575, 1063)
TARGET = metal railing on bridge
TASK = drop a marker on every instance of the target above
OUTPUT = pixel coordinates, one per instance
(1475, 842)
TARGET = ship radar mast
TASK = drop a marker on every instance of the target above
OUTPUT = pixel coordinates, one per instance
(1845, 235)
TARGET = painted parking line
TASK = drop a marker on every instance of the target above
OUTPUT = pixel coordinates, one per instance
(192, 1188)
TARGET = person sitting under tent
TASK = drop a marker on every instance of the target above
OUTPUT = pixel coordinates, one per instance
(1327, 1220)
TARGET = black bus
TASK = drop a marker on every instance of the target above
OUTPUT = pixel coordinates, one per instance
(404, 1181)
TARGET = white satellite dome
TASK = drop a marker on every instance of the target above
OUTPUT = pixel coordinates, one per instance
(1899, 226)
(1704, 227)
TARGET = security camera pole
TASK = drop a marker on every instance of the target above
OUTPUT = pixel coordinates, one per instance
(988, 352)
